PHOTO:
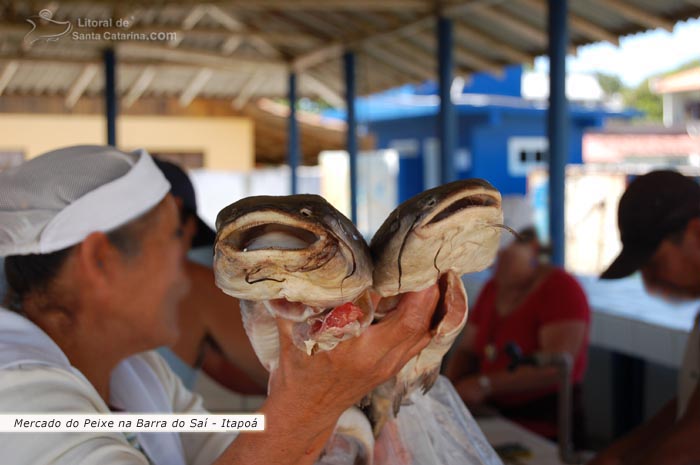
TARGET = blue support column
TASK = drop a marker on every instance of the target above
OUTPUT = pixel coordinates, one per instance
(110, 93)
(446, 117)
(558, 124)
(350, 93)
(293, 132)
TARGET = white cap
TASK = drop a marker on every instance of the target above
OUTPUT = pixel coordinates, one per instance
(57, 199)
(518, 214)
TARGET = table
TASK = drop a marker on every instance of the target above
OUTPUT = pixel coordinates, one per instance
(500, 431)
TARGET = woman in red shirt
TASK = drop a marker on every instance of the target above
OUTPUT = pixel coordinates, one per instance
(540, 308)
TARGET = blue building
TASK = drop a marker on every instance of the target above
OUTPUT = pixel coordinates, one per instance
(501, 136)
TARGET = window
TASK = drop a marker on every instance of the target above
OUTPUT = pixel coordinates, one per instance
(527, 153)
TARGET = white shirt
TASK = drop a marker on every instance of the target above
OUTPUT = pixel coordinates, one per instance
(690, 369)
(36, 377)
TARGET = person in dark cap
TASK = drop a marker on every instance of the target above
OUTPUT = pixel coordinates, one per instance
(212, 344)
(659, 223)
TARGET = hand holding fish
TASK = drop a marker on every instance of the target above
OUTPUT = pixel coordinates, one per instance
(332, 381)
(306, 277)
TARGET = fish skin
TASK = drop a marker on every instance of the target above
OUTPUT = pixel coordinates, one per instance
(435, 236)
(335, 267)
(415, 244)
(326, 263)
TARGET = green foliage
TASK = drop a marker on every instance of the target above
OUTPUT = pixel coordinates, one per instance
(610, 83)
(643, 99)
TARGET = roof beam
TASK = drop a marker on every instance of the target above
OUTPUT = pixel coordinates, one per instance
(190, 21)
(253, 83)
(195, 57)
(526, 31)
(466, 35)
(328, 5)
(195, 86)
(310, 5)
(579, 24)
(80, 84)
(7, 73)
(232, 23)
(139, 86)
(636, 14)
(324, 91)
(231, 44)
(300, 39)
(336, 48)
(405, 65)
(461, 55)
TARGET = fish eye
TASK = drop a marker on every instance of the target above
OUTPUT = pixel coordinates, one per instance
(305, 212)
(432, 202)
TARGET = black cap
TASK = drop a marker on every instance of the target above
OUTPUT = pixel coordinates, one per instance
(182, 188)
(653, 206)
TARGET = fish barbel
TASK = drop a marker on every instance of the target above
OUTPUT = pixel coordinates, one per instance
(434, 237)
(296, 257)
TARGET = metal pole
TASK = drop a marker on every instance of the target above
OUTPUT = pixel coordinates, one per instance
(110, 94)
(350, 93)
(446, 116)
(558, 125)
(293, 136)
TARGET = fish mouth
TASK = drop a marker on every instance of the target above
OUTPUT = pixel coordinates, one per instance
(271, 236)
(456, 205)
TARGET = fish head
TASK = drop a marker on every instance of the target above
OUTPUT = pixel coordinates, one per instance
(454, 226)
(298, 248)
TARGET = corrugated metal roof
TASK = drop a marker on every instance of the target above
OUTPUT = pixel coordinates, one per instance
(249, 45)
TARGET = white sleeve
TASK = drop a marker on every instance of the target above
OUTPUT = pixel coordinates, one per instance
(51, 390)
(200, 448)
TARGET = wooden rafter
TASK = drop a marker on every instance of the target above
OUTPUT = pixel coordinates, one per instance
(322, 89)
(396, 27)
(405, 65)
(635, 14)
(462, 56)
(466, 35)
(195, 86)
(579, 24)
(515, 25)
(139, 86)
(7, 73)
(81, 83)
(299, 39)
(253, 83)
(196, 57)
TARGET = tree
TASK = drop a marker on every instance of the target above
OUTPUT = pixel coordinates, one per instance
(643, 99)
(610, 83)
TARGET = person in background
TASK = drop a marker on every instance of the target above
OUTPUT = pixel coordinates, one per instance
(213, 355)
(539, 307)
(659, 223)
(94, 261)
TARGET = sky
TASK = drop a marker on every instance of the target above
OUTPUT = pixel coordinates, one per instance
(638, 56)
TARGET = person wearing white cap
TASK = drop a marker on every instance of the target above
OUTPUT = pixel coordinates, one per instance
(93, 260)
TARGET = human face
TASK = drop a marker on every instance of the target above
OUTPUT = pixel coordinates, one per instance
(154, 280)
(673, 272)
(515, 262)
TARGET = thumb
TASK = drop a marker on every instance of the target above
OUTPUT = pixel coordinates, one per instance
(284, 330)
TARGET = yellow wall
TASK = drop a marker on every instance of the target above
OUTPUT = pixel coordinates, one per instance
(226, 142)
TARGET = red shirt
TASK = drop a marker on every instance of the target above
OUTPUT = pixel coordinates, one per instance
(557, 299)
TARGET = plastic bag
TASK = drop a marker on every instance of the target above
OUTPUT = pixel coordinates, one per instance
(436, 429)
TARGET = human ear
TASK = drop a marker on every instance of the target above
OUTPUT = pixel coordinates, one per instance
(691, 235)
(100, 262)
